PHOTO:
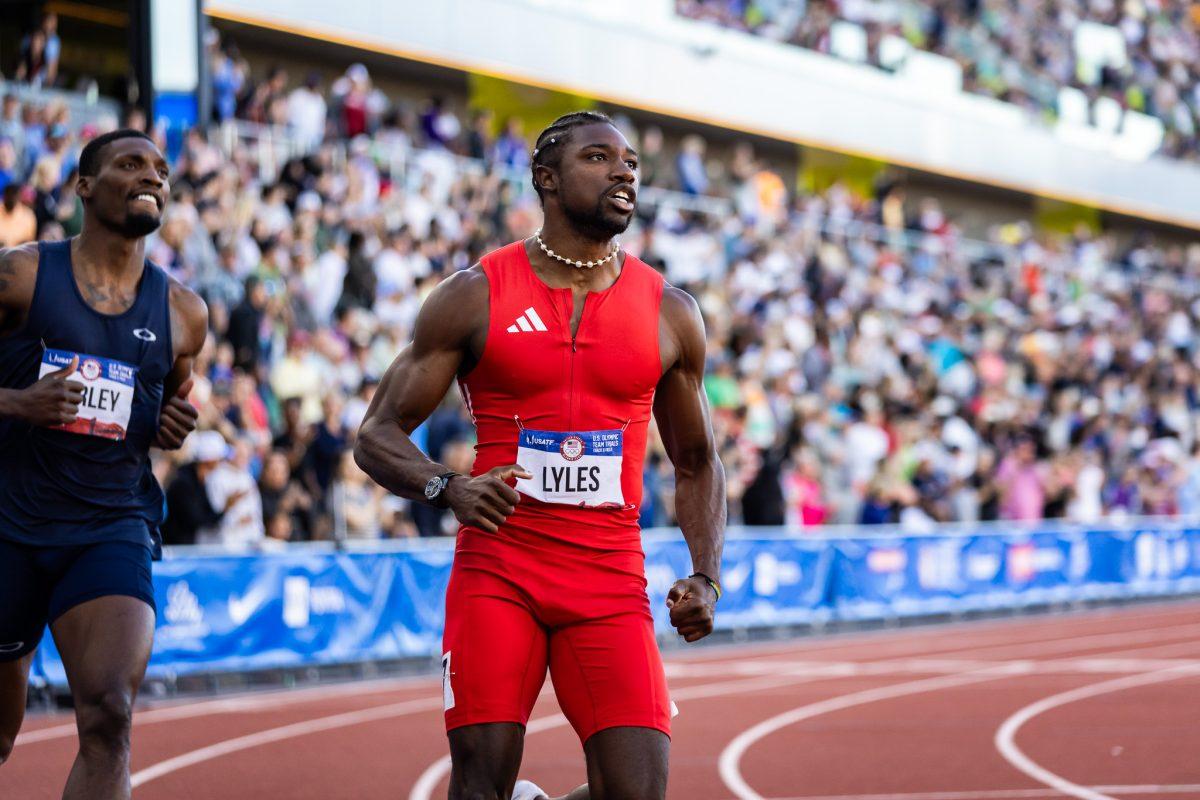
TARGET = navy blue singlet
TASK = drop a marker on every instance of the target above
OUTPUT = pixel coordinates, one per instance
(60, 487)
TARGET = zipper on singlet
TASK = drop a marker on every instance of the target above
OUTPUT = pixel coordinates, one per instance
(571, 384)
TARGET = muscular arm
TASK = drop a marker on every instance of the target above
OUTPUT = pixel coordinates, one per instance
(452, 317)
(18, 275)
(681, 410)
(189, 328)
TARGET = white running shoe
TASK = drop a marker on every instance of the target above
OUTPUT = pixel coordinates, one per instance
(527, 790)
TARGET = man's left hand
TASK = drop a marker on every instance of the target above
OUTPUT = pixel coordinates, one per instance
(691, 601)
(178, 419)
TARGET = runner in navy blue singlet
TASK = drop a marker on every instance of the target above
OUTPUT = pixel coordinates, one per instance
(96, 350)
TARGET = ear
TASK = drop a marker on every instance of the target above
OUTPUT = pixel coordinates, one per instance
(83, 187)
(546, 178)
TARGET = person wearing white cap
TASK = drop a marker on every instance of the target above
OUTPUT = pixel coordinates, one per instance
(187, 496)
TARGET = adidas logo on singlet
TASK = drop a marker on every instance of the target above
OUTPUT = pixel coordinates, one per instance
(529, 321)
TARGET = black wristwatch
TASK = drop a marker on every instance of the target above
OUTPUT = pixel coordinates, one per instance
(436, 486)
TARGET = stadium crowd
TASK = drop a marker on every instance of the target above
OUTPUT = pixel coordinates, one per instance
(1143, 54)
(867, 364)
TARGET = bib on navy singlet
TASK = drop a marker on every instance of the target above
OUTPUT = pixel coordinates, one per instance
(90, 481)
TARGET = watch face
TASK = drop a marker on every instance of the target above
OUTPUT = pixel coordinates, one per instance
(433, 488)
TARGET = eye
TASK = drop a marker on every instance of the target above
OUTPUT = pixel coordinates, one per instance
(594, 156)
(631, 164)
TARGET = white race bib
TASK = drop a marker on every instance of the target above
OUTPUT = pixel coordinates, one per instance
(107, 392)
(576, 468)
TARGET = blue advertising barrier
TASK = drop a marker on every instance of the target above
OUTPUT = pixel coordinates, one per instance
(308, 606)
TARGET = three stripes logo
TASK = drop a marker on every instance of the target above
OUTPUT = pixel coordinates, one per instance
(527, 322)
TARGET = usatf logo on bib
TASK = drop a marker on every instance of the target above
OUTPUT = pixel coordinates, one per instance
(577, 468)
(107, 393)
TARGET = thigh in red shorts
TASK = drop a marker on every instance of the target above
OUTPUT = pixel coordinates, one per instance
(500, 638)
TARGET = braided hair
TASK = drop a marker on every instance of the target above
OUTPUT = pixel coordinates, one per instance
(547, 152)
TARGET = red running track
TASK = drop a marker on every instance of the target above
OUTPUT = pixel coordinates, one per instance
(1096, 705)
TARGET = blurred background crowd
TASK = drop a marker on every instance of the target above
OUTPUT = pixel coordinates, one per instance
(867, 361)
(1049, 58)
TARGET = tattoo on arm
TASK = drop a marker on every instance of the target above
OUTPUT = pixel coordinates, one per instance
(7, 270)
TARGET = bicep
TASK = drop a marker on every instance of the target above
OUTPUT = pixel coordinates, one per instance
(189, 329)
(421, 375)
(680, 403)
(413, 386)
(18, 274)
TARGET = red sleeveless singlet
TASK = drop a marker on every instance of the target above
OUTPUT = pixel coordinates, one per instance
(534, 376)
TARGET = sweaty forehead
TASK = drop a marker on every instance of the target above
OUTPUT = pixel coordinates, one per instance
(598, 133)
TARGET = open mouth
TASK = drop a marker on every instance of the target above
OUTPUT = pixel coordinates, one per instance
(622, 199)
(146, 197)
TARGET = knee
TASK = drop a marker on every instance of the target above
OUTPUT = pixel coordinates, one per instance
(106, 718)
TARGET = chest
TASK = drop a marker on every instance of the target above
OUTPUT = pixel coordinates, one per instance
(557, 340)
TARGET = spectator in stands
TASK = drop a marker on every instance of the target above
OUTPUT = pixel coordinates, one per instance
(18, 224)
(8, 163)
(479, 136)
(12, 126)
(246, 325)
(359, 285)
(360, 103)
(46, 180)
(692, 173)
(1021, 479)
(229, 75)
(229, 486)
(34, 65)
(287, 506)
(307, 111)
(440, 126)
(512, 149)
(357, 502)
(191, 505)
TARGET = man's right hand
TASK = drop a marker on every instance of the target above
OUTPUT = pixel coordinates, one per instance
(485, 501)
(53, 400)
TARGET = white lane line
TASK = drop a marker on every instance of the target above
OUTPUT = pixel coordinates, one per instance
(1005, 738)
(1001, 794)
(262, 701)
(303, 728)
(429, 779)
(728, 764)
(931, 666)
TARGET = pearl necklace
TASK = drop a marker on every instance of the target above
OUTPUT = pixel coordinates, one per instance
(576, 264)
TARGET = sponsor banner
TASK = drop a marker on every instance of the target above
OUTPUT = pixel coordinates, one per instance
(309, 607)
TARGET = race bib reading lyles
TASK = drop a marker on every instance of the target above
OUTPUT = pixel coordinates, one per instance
(578, 468)
(107, 392)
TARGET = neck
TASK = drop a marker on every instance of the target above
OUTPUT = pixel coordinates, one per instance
(570, 242)
(99, 249)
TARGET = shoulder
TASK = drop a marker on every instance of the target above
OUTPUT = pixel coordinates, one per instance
(683, 324)
(21, 257)
(465, 288)
(18, 274)
(191, 313)
(455, 310)
(681, 311)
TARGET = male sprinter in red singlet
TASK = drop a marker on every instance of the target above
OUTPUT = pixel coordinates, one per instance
(96, 349)
(562, 345)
